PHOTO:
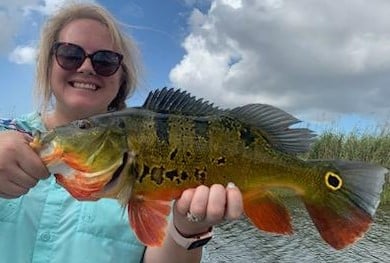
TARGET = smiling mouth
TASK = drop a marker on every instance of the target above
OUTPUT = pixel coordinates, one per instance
(83, 86)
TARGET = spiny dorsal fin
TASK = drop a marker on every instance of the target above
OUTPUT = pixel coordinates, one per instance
(175, 101)
(275, 124)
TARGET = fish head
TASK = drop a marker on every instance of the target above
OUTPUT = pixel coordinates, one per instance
(85, 154)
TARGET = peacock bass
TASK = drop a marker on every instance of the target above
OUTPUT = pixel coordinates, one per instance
(147, 156)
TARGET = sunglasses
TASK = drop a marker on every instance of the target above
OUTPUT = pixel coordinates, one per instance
(71, 56)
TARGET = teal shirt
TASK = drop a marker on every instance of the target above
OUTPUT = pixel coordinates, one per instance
(49, 225)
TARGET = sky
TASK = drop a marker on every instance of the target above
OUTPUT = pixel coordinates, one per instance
(325, 62)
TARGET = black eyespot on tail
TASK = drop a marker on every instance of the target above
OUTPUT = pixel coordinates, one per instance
(333, 181)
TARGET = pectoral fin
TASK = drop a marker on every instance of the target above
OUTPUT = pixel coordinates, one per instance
(149, 219)
(267, 213)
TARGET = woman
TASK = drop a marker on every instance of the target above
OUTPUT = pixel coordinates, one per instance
(86, 66)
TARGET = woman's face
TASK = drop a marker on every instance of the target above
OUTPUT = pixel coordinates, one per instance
(82, 92)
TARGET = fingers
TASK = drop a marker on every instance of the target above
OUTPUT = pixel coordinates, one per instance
(216, 203)
(210, 205)
(13, 191)
(20, 166)
(22, 179)
(234, 202)
(206, 204)
(199, 202)
(31, 164)
(7, 196)
(183, 204)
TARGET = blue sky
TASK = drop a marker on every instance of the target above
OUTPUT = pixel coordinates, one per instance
(157, 31)
(326, 66)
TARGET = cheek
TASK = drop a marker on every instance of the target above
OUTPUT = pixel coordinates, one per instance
(57, 77)
(113, 83)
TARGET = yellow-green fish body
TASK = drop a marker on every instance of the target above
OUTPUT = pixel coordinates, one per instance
(145, 157)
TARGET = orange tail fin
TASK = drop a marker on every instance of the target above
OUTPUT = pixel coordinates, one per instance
(342, 208)
(337, 230)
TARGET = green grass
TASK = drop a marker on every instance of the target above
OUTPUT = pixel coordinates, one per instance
(373, 147)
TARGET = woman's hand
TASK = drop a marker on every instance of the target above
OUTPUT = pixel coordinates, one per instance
(20, 166)
(200, 208)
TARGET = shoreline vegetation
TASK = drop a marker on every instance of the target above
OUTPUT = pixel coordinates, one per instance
(367, 146)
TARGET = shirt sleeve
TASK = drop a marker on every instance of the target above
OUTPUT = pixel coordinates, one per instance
(11, 124)
(7, 124)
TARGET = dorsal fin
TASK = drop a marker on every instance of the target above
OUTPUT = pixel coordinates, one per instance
(275, 125)
(175, 101)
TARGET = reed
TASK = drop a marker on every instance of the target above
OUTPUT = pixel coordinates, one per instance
(368, 146)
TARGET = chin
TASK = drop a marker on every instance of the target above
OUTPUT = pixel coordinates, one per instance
(87, 109)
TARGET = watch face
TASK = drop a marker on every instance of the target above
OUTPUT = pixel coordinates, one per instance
(199, 243)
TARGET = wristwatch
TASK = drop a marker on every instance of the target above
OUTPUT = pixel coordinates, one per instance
(190, 242)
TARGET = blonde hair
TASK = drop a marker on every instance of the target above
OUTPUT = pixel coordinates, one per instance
(50, 34)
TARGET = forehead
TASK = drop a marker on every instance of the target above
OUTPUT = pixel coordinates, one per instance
(88, 33)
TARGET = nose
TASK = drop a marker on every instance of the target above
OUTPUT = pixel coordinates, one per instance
(87, 67)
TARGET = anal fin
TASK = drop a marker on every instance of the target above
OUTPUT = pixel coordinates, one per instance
(149, 219)
(267, 213)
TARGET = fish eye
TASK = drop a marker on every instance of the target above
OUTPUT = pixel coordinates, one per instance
(84, 124)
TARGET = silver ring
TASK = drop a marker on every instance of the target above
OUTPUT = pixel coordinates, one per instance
(192, 218)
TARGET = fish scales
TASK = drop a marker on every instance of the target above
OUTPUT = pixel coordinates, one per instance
(147, 156)
(227, 152)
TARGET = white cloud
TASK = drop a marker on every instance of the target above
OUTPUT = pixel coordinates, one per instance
(23, 55)
(50, 6)
(47, 7)
(308, 57)
(11, 19)
(196, 2)
(17, 17)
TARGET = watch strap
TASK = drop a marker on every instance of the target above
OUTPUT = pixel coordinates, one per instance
(191, 242)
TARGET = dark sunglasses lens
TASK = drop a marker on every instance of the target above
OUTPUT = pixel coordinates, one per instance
(69, 57)
(106, 63)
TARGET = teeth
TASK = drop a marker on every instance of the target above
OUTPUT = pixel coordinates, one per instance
(80, 85)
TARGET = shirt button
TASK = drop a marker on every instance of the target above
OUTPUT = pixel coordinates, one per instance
(88, 218)
(45, 236)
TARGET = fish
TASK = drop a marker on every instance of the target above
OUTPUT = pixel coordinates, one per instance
(146, 156)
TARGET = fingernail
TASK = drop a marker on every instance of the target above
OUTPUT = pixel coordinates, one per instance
(231, 185)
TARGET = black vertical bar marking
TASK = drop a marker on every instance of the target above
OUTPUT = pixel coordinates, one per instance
(202, 128)
(246, 136)
(172, 155)
(162, 127)
(145, 172)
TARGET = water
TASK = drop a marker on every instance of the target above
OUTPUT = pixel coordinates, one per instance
(239, 241)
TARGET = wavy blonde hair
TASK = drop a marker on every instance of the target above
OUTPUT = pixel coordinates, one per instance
(50, 34)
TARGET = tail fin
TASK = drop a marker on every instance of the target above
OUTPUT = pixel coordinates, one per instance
(349, 198)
